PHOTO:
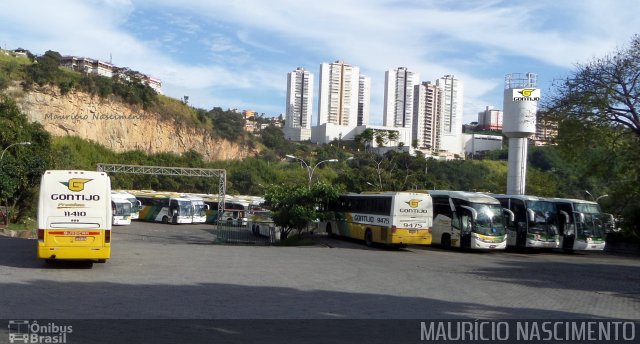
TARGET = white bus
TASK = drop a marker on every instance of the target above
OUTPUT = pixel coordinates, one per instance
(120, 210)
(582, 224)
(136, 206)
(165, 208)
(236, 210)
(199, 208)
(392, 218)
(535, 221)
(468, 220)
(74, 215)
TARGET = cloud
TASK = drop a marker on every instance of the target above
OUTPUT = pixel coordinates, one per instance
(240, 51)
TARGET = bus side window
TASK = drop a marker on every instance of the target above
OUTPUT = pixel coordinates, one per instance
(465, 220)
(455, 220)
(520, 212)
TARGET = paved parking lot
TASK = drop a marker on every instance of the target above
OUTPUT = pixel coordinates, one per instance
(178, 272)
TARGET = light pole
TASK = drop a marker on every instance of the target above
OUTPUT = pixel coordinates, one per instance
(11, 145)
(310, 169)
(595, 199)
(27, 143)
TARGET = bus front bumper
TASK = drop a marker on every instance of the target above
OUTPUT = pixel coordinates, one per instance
(411, 240)
(588, 245)
(45, 252)
(542, 244)
(481, 245)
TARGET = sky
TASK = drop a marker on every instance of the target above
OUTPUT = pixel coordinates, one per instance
(236, 54)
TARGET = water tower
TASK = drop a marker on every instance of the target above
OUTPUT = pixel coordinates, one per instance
(521, 97)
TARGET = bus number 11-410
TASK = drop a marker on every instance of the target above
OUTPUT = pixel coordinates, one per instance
(75, 213)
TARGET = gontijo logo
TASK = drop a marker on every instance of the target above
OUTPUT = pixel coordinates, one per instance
(526, 92)
(76, 184)
(413, 203)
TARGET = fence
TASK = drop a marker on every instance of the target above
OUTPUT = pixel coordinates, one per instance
(247, 233)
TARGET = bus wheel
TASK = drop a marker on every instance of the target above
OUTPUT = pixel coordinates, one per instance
(368, 238)
(329, 231)
(446, 241)
(101, 260)
(165, 219)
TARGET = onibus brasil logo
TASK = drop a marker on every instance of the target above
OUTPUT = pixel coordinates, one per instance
(76, 184)
(25, 331)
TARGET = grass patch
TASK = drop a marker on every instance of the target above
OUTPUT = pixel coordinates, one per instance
(295, 240)
(27, 224)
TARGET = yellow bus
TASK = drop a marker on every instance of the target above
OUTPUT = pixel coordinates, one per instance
(74, 216)
(391, 218)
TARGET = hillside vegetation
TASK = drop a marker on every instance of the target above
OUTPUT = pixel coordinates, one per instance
(594, 156)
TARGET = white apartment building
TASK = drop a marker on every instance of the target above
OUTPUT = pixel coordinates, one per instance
(426, 112)
(450, 121)
(398, 97)
(338, 94)
(364, 100)
(299, 105)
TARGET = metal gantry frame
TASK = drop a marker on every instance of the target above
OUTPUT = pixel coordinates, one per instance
(221, 174)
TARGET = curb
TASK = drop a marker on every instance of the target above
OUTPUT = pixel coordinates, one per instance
(23, 234)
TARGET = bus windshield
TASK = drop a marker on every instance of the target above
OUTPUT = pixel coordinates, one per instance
(200, 209)
(545, 217)
(135, 206)
(593, 225)
(185, 208)
(490, 220)
(123, 208)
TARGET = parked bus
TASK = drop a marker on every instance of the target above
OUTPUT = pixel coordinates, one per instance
(120, 210)
(392, 218)
(165, 208)
(235, 212)
(199, 208)
(74, 215)
(582, 224)
(535, 221)
(468, 220)
(136, 206)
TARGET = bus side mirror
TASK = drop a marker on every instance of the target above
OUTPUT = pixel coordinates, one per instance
(580, 217)
(474, 213)
(511, 216)
(175, 212)
(566, 216)
(531, 215)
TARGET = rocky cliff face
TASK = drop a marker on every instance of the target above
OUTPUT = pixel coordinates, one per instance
(120, 127)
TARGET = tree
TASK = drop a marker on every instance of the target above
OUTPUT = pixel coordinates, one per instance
(365, 138)
(21, 166)
(605, 91)
(597, 108)
(294, 208)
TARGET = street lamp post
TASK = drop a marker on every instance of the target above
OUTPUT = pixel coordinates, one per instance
(595, 199)
(310, 169)
(5, 150)
(11, 145)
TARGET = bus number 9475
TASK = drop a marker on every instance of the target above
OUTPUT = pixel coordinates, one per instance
(412, 225)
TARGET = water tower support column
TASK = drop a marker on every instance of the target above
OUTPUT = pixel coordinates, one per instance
(517, 174)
